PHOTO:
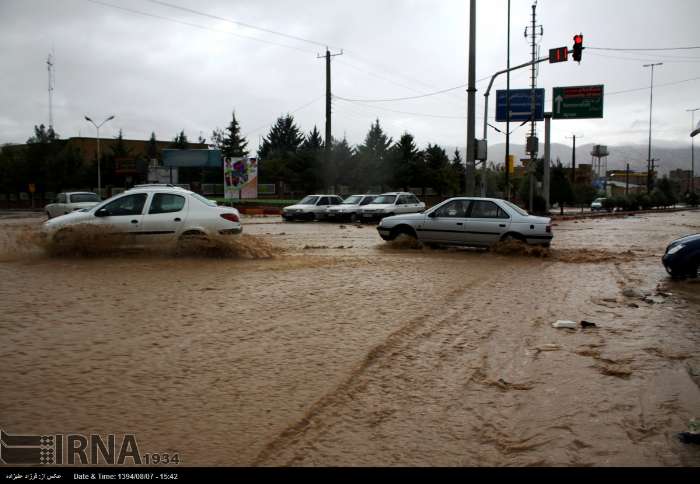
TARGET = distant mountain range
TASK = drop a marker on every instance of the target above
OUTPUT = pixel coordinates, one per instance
(669, 156)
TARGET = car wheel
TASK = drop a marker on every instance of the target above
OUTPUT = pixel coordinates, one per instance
(398, 231)
(192, 242)
(353, 218)
(48, 215)
(512, 238)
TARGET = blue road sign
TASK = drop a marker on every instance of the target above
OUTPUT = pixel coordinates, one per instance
(520, 106)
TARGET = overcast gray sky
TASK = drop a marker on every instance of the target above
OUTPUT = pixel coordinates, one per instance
(164, 75)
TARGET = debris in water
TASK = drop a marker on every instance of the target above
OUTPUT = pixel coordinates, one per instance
(631, 293)
(565, 325)
(653, 300)
(588, 324)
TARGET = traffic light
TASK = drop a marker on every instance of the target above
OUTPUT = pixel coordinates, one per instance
(578, 47)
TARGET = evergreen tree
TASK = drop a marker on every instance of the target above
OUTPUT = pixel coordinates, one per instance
(372, 158)
(406, 162)
(438, 166)
(43, 135)
(119, 148)
(458, 172)
(344, 161)
(180, 142)
(277, 151)
(230, 141)
(560, 190)
(152, 150)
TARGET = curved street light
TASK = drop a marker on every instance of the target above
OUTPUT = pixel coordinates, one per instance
(97, 127)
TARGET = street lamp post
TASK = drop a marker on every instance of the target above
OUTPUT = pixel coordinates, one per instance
(692, 151)
(651, 105)
(97, 127)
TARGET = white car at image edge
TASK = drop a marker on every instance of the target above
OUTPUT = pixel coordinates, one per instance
(476, 222)
(152, 214)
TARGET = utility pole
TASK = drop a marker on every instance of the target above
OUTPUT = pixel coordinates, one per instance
(547, 155)
(471, 103)
(691, 189)
(329, 100)
(627, 180)
(573, 159)
(533, 144)
(508, 111)
(651, 106)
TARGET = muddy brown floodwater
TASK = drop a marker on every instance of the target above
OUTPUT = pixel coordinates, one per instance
(330, 347)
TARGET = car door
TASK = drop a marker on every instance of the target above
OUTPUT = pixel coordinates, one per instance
(415, 204)
(123, 216)
(322, 205)
(446, 224)
(59, 208)
(165, 218)
(403, 205)
(486, 222)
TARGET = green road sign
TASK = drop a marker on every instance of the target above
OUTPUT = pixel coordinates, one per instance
(577, 102)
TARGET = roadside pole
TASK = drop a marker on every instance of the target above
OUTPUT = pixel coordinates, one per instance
(471, 103)
(547, 156)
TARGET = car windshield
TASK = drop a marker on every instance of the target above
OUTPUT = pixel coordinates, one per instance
(599, 200)
(517, 209)
(354, 200)
(384, 200)
(84, 197)
(310, 200)
(205, 201)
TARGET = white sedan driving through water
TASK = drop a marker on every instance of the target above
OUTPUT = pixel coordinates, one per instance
(477, 222)
(149, 214)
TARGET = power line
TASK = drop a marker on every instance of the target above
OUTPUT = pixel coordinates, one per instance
(673, 83)
(196, 26)
(408, 98)
(646, 49)
(236, 22)
(637, 59)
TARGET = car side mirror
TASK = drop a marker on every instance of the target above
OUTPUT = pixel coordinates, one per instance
(103, 212)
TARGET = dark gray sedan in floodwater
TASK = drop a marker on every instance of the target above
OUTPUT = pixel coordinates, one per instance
(477, 222)
(682, 257)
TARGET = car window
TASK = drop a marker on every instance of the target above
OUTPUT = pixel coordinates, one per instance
(128, 205)
(413, 199)
(61, 198)
(403, 200)
(324, 201)
(310, 200)
(166, 203)
(455, 209)
(368, 200)
(354, 200)
(84, 197)
(484, 209)
(337, 201)
(385, 200)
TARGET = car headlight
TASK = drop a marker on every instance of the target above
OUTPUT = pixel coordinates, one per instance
(675, 249)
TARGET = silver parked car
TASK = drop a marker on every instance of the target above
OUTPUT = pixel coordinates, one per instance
(350, 208)
(477, 222)
(68, 202)
(313, 207)
(389, 204)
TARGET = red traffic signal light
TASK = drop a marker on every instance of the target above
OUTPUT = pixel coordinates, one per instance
(578, 47)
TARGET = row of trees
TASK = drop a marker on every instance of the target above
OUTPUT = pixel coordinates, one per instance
(300, 161)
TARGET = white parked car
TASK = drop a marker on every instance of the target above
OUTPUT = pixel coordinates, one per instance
(390, 204)
(313, 207)
(478, 222)
(598, 204)
(349, 209)
(68, 202)
(152, 214)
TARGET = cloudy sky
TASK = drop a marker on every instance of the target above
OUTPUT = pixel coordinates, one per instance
(163, 69)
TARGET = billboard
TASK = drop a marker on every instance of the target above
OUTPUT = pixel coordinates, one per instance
(240, 178)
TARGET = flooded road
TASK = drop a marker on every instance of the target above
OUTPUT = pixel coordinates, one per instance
(331, 347)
